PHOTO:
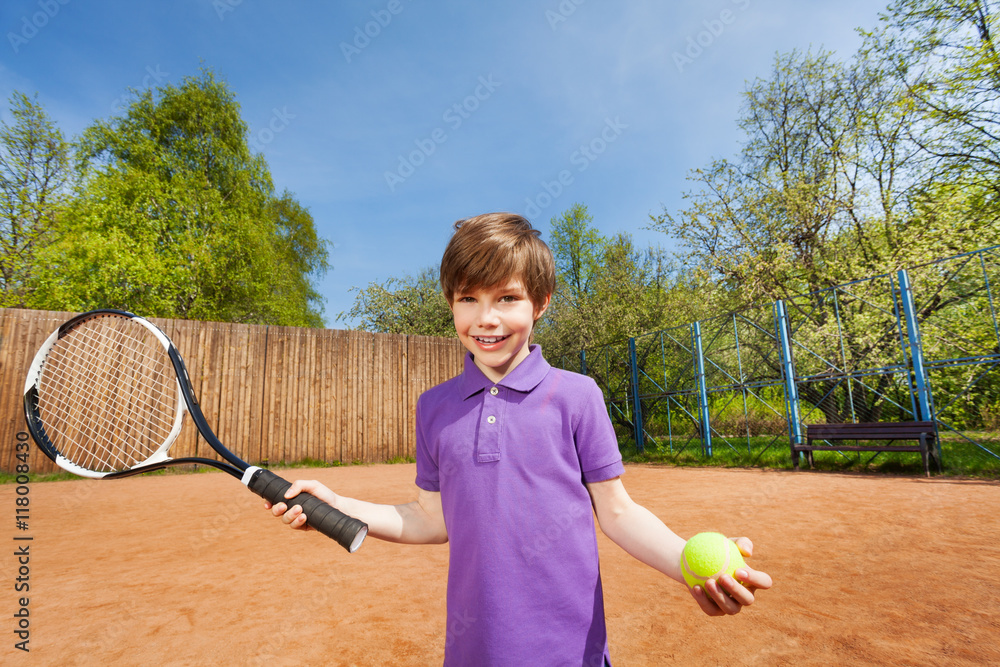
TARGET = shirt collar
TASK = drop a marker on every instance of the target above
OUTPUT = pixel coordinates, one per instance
(525, 376)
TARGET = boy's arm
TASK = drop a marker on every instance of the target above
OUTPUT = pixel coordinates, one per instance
(641, 534)
(418, 522)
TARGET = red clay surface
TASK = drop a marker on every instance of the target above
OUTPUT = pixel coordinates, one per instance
(190, 570)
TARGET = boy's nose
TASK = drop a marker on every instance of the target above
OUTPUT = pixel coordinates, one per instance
(488, 316)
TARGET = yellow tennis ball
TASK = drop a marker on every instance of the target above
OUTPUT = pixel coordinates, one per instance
(707, 556)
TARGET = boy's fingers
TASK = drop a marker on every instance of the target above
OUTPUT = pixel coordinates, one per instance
(745, 545)
(729, 603)
(753, 579)
(731, 591)
(705, 602)
(293, 516)
(298, 519)
(297, 487)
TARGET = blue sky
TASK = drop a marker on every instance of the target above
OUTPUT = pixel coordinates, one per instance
(391, 119)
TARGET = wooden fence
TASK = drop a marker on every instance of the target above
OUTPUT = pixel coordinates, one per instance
(274, 394)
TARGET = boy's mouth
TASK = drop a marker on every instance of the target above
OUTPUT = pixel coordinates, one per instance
(490, 340)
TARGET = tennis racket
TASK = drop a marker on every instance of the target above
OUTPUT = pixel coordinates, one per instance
(106, 396)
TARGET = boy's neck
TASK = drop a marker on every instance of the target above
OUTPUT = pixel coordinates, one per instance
(496, 374)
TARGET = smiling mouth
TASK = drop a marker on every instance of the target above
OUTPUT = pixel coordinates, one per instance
(489, 340)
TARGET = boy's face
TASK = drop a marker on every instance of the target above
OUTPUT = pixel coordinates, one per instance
(495, 324)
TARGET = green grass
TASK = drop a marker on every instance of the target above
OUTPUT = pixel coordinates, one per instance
(11, 478)
(960, 458)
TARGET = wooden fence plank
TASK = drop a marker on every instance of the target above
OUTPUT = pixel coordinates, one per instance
(22, 332)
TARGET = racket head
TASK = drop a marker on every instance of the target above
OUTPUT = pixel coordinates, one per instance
(102, 397)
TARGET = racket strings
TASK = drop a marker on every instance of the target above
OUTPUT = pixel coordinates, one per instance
(111, 414)
(76, 386)
(107, 394)
(85, 351)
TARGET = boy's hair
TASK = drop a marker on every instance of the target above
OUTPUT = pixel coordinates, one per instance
(489, 250)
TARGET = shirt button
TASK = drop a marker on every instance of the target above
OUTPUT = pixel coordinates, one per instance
(491, 419)
(494, 391)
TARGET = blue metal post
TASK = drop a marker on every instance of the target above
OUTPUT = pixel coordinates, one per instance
(640, 438)
(904, 346)
(916, 349)
(583, 362)
(783, 334)
(699, 371)
(989, 297)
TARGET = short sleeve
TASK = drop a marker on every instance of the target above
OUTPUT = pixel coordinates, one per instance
(428, 478)
(596, 441)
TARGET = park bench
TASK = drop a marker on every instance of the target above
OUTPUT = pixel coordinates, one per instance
(922, 432)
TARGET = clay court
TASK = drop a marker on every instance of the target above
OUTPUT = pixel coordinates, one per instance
(190, 570)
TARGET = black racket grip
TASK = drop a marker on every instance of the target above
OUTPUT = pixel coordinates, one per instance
(347, 531)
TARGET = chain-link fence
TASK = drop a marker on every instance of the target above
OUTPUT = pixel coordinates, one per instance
(921, 344)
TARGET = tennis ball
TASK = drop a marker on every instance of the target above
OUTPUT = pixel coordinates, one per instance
(707, 556)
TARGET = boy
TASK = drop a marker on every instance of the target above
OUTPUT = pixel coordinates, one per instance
(513, 459)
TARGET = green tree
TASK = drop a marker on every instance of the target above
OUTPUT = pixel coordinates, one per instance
(412, 305)
(942, 55)
(577, 248)
(304, 256)
(175, 217)
(830, 187)
(34, 172)
(607, 290)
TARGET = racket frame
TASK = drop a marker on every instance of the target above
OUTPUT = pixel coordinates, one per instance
(186, 402)
(253, 477)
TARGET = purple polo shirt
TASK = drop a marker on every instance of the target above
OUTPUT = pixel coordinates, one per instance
(510, 460)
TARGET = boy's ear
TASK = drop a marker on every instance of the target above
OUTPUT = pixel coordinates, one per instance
(540, 310)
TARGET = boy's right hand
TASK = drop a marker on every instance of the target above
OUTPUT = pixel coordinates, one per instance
(729, 594)
(293, 516)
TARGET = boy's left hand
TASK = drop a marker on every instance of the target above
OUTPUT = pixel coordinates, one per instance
(730, 595)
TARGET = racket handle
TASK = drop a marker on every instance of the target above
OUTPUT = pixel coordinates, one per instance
(347, 531)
